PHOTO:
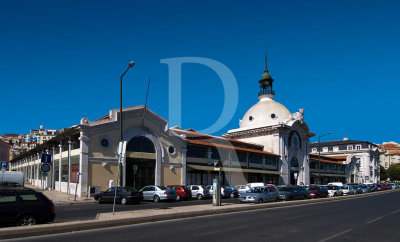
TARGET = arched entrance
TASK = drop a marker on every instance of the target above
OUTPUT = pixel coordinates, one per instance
(294, 170)
(140, 162)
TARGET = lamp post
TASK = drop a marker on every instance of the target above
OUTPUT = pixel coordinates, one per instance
(131, 64)
(319, 156)
(119, 178)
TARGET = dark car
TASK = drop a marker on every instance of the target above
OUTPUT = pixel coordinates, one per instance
(23, 207)
(315, 191)
(124, 196)
(182, 192)
(228, 191)
(292, 192)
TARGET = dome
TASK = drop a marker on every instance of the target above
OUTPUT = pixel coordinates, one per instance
(266, 112)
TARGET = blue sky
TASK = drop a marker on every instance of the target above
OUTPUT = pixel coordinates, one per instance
(337, 59)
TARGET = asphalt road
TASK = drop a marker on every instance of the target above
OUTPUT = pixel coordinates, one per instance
(88, 211)
(373, 218)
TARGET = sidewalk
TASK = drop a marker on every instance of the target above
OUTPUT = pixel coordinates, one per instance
(60, 197)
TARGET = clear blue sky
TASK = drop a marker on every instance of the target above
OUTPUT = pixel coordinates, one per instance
(337, 59)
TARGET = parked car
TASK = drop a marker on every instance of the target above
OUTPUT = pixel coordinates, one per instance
(123, 195)
(334, 191)
(316, 191)
(364, 188)
(260, 194)
(357, 187)
(385, 187)
(392, 186)
(348, 190)
(372, 186)
(380, 187)
(199, 191)
(24, 207)
(242, 189)
(228, 191)
(182, 192)
(158, 193)
(292, 192)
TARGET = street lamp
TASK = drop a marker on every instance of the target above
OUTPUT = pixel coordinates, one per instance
(119, 180)
(319, 155)
(131, 64)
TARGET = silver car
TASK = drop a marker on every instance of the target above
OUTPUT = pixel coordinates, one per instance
(200, 192)
(348, 190)
(260, 194)
(158, 193)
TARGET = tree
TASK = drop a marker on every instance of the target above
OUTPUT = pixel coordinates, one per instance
(383, 173)
(394, 172)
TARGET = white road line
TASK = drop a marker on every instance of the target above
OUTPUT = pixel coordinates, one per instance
(374, 220)
(294, 217)
(336, 235)
(395, 211)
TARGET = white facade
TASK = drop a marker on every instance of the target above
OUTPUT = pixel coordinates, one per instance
(270, 124)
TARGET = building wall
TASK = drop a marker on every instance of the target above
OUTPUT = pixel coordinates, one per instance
(99, 175)
(171, 176)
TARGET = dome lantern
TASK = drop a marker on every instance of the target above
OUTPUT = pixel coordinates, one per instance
(266, 84)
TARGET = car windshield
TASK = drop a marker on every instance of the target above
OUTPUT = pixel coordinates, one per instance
(345, 187)
(285, 189)
(363, 186)
(163, 188)
(313, 188)
(185, 187)
(256, 190)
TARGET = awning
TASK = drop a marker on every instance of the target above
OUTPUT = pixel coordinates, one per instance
(232, 169)
(330, 175)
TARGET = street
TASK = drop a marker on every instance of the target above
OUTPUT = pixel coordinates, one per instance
(372, 218)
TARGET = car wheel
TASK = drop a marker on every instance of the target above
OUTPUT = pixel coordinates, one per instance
(124, 201)
(199, 196)
(100, 201)
(259, 200)
(305, 197)
(178, 198)
(335, 194)
(27, 220)
(156, 199)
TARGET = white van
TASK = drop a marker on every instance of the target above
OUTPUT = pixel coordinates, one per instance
(11, 178)
(256, 184)
(336, 184)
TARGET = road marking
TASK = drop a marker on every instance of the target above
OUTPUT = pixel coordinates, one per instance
(374, 220)
(294, 217)
(395, 211)
(336, 235)
(223, 230)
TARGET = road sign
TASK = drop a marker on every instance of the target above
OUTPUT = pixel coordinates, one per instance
(45, 167)
(46, 158)
(4, 164)
(135, 168)
(217, 165)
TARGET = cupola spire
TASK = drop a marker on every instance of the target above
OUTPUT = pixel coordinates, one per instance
(266, 84)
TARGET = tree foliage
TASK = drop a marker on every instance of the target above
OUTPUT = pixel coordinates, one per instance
(394, 172)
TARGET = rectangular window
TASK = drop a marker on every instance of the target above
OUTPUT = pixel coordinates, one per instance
(314, 150)
(349, 147)
(8, 198)
(336, 148)
(325, 149)
(358, 147)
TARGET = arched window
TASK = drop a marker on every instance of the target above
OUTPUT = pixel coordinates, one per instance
(294, 138)
(294, 162)
(140, 144)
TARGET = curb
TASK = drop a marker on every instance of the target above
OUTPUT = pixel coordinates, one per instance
(56, 228)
